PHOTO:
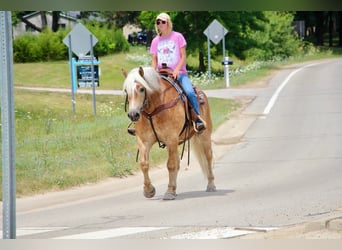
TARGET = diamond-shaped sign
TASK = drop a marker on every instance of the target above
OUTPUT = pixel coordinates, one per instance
(80, 40)
(215, 31)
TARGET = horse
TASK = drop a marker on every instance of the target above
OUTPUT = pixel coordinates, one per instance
(159, 112)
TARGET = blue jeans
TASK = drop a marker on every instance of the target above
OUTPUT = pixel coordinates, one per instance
(189, 91)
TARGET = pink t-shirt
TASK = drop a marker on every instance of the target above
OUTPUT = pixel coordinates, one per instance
(167, 50)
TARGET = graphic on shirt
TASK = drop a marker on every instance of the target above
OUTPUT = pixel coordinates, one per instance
(167, 53)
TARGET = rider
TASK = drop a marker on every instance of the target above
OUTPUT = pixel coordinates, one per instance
(168, 47)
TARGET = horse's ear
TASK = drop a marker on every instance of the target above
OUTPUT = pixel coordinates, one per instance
(124, 72)
(141, 72)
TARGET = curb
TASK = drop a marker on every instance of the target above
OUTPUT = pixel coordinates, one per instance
(328, 228)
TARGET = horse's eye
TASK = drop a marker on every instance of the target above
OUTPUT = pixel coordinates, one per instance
(142, 90)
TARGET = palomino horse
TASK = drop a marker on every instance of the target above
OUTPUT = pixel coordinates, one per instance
(158, 111)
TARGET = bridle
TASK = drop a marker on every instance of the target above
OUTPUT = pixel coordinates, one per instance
(163, 107)
(145, 103)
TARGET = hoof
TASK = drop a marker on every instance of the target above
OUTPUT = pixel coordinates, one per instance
(211, 188)
(169, 196)
(151, 193)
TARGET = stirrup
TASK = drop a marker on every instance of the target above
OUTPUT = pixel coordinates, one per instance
(199, 125)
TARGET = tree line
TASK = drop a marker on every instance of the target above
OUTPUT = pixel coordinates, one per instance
(253, 35)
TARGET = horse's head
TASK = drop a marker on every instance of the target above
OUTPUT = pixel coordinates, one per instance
(138, 83)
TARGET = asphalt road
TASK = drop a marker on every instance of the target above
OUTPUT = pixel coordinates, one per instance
(283, 169)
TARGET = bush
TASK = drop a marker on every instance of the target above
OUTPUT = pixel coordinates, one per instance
(26, 49)
(52, 47)
(49, 46)
(109, 40)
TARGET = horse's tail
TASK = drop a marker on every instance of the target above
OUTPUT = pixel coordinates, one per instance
(201, 147)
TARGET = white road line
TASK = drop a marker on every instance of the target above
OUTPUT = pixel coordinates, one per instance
(216, 233)
(23, 231)
(274, 97)
(220, 233)
(112, 233)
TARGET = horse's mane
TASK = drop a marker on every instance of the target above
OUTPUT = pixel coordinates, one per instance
(150, 80)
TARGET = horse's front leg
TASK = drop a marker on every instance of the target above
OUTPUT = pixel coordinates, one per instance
(173, 168)
(149, 189)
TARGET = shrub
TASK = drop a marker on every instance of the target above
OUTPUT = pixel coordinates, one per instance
(49, 46)
(46, 46)
(26, 49)
(109, 39)
(52, 47)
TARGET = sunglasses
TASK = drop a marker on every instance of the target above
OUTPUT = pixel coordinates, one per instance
(158, 22)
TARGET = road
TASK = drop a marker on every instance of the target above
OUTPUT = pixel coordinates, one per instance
(283, 168)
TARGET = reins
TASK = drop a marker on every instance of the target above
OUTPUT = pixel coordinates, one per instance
(157, 111)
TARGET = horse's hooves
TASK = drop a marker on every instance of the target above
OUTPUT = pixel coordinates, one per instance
(151, 193)
(211, 188)
(169, 196)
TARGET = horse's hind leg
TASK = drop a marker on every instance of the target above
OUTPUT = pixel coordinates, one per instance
(173, 168)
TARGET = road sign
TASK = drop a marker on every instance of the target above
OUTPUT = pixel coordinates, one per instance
(215, 31)
(84, 73)
(80, 40)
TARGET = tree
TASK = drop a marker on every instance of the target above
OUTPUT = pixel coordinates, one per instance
(321, 23)
(261, 35)
(55, 19)
(277, 40)
(112, 18)
(340, 29)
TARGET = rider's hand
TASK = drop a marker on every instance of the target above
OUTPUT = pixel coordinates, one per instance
(175, 74)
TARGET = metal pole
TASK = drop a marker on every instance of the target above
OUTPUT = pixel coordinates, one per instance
(223, 43)
(209, 72)
(226, 71)
(92, 73)
(7, 126)
(71, 76)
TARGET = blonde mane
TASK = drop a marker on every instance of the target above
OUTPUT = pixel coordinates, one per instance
(150, 81)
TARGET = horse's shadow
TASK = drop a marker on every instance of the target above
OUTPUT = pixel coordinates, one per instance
(199, 194)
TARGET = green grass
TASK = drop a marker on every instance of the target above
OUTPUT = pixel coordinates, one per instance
(57, 149)
(57, 74)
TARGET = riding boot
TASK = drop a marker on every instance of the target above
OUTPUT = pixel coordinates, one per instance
(198, 123)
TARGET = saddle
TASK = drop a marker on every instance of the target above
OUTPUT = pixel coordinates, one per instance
(167, 74)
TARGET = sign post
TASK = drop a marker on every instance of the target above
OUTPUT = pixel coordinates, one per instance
(71, 73)
(79, 43)
(7, 127)
(215, 32)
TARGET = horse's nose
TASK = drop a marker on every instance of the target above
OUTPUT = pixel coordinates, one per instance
(134, 116)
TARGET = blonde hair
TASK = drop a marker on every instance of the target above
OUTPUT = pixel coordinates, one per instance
(164, 17)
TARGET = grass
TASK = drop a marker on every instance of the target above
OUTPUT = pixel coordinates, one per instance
(57, 149)
(57, 74)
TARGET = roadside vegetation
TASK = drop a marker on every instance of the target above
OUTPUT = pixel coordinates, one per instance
(57, 149)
